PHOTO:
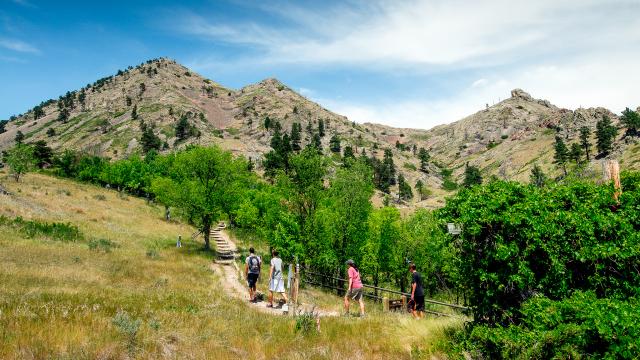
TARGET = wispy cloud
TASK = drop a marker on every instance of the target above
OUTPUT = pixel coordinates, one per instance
(18, 45)
(24, 3)
(574, 52)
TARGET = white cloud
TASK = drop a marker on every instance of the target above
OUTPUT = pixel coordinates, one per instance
(19, 46)
(572, 52)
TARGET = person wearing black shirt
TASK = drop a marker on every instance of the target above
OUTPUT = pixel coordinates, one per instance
(417, 293)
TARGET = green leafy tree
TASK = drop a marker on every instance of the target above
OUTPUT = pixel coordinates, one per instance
(605, 134)
(20, 160)
(472, 176)
(448, 183)
(538, 177)
(334, 143)
(561, 154)
(347, 153)
(630, 119)
(204, 183)
(380, 259)
(585, 142)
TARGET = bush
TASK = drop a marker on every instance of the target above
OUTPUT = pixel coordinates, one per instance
(127, 326)
(102, 245)
(306, 323)
(33, 228)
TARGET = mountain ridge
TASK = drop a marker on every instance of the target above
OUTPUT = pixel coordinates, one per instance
(504, 140)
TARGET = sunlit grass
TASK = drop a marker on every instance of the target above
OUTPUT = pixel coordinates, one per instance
(60, 299)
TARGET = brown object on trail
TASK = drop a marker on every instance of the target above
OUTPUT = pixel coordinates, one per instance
(611, 171)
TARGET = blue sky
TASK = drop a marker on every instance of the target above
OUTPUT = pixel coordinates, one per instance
(402, 63)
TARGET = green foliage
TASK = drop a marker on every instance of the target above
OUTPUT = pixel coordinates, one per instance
(306, 323)
(575, 153)
(631, 120)
(520, 241)
(128, 326)
(585, 134)
(538, 177)
(20, 159)
(448, 183)
(184, 129)
(472, 176)
(561, 154)
(321, 128)
(33, 228)
(605, 134)
(19, 138)
(384, 171)
(296, 136)
(334, 144)
(404, 189)
(42, 154)
(3, 123)
(149, 140)
(424, 157)
(51, 132)
(102, 245)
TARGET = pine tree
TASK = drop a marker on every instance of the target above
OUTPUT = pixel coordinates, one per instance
(267, 123)
(19, 137)
(63, 116)
(316, 142)
(51, 132)
(38, 112)
(538, 177)
(182, 128)
(423, 155)
(575, 153)
(82, 98)
(585, 134)
(472, 176)
(134, 112)
(321, 128)
(296, 136)
(419, 188)
(631, 120)
(149, 140)
(334, 143)
(561, 154)
(348, 153)
(605, 133)
(404, 189)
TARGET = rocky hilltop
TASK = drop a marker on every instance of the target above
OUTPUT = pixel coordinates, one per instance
(107, 118)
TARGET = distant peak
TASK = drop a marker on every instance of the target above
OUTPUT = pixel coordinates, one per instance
(521, 94)
(271, 81)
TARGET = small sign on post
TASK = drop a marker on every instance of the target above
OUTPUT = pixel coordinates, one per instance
(454, 229)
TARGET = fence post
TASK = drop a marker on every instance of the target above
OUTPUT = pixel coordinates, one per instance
(404, 301)
(385, 304)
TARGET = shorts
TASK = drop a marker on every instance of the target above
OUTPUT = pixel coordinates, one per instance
(276, 285)
(418, 304)
(356, 294)
(252, 279)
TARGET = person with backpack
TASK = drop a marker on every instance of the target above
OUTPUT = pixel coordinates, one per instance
(276, 281)
(354, 291)
(252, 272)
(417, 293)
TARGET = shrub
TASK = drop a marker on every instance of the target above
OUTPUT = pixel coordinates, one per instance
(33, 228)
(100, 197)
(127, 326)
(306, 323)
(102, 245)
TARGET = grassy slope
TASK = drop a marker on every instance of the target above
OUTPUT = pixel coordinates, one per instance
(58, 300)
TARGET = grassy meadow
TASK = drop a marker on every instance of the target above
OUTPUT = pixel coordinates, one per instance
(122, 290)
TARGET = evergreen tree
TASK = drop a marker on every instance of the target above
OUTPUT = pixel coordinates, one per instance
(321, 128)
(143, 87)
(63, 116)
(538, 177)
(309, 128)
(585, 134)
(419, 187)
(348, 153)
(128, 102)
(605, 133)
(82, 98)
(149, 140)
(561, 154)
(472, 176)
(404, 189)
(423, 155)
(42, 154)
(631, 120)
(51, 132)
(3, 123)
(296, 136)
(334, 143)
(316, 142)
(267, 123)
(575, 153)
(38, 112)
(134, 112)
(182, 128)
(19, 137)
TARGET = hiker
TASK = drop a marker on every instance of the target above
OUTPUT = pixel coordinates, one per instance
(417, 293)
(355, 291)
(276, 281)
(252, 272)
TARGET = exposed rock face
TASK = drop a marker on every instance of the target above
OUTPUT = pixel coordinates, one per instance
(521, 94)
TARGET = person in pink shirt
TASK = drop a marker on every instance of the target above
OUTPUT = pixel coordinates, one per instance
(354, 292)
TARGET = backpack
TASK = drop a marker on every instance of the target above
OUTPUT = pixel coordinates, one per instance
(254, 264)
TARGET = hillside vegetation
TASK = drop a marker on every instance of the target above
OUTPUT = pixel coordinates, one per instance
(160, 105)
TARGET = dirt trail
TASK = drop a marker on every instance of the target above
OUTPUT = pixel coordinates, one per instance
(234, 284)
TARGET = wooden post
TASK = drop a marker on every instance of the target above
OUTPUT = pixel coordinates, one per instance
(611, 172)
(385, 304)
(404, 301)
